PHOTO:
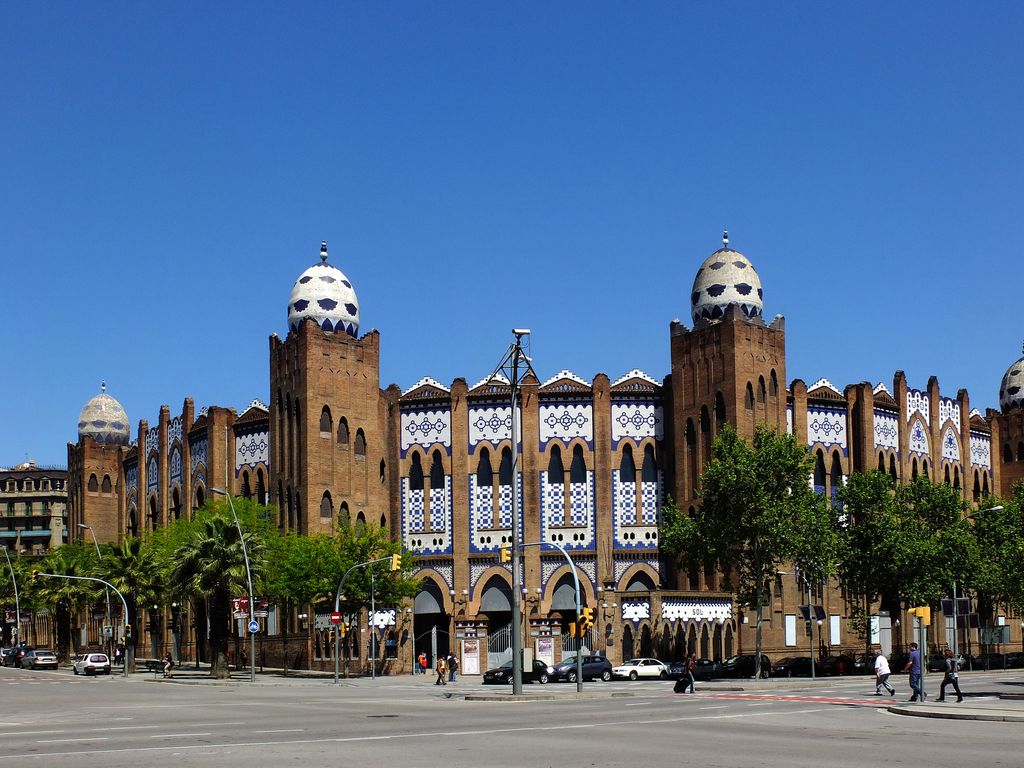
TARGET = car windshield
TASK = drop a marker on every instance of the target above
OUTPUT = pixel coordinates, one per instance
(732, 660)
(631, 663)
(42, 652)
(569, 660)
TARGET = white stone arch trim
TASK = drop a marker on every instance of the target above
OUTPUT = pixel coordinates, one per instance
(633, 570)
(588, 597)
(951, 449)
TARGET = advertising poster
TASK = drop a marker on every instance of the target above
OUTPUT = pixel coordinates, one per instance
(546, 650)
(471, 656)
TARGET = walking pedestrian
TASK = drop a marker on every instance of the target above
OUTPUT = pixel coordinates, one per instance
(453, 665)
(441, 668)
(914, 668)
(421, 663)
(882, 673)
(691, 665)
(952, 677)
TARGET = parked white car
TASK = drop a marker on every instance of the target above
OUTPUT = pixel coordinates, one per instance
(92, 664)
(635, 668)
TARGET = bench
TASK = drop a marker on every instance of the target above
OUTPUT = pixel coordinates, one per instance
(156, 666)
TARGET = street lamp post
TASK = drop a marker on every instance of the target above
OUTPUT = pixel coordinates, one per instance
(17, 602)
(248, 576)
(395, 565)
(810, 616)
(99, 556)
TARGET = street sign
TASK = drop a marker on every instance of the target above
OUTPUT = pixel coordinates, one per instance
(254, 626)
(335, 618)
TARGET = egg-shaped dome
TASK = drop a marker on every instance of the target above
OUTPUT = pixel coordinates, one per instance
(1011, 390)
(726, 277)
(323, 294)
(104, 420)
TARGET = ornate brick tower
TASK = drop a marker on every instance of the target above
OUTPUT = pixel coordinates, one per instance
(94, 469)
(1008, 430)
(730, 368)
(328, 426)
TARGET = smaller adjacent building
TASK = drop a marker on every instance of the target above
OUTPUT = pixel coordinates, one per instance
(33, 501)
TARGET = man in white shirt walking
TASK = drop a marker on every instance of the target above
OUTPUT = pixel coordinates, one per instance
(882, 673)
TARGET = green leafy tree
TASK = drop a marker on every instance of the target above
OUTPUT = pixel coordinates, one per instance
(210, 563)
(66, 597)
(758, 514)
(135, 569)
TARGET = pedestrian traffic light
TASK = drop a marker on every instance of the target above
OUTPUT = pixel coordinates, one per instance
(506, 553)
(127, 631)
(396, 562)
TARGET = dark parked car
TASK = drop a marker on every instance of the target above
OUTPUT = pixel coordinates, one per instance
(39, 658)
(990, 661)
(13, 659)
(593, 667)
(541, 673)
(1015, 660)
(794, 666)
(743, 666)
(706, 669)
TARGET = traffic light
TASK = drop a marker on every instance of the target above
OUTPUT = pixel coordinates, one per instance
(923, 612)
(343, 628)
(572, 629)
(586, 620)
(505, 553)
(35, 576)
(396, 562)
(127, 631)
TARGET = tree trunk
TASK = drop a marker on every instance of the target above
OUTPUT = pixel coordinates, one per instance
(220, 616)
(63, 631)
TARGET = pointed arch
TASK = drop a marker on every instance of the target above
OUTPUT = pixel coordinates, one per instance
(649, 471)
(578, 467)
(106, 486)
(359, 447)
(344, 518)
(556, 470)
(176, 503)
(360, 522)
(762, 390)
(881, 461)
(893, 472)
(416, 472)
(484, 475)
(94, 483)
(326, 423)
(819, 471)
(326, 506)
(343, 436)
(246, 488)
(773, 385)
(383, 522)
(748, 397)
(505, 468)
(261, 486)
(720, 415)
(436, 471)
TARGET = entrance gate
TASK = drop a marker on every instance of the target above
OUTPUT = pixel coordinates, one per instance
(570, 645)
(499, 647)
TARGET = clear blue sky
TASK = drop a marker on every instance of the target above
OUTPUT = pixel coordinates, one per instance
(165, 175)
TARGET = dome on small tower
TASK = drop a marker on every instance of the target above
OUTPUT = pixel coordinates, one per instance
(323, 294)
(1011, 390)
(726, 277)
(104, 420)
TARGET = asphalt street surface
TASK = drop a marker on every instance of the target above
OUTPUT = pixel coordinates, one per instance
(56, 719)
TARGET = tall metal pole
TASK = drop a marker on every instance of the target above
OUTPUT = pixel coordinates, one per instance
(337, 608)
(811, 617)
(99, 556)
(956, 654)
(579, 607)
(373, 632)
(248, 576)
(517, 640)
(17, 602)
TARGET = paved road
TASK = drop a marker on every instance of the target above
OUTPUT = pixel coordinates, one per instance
(54, 719)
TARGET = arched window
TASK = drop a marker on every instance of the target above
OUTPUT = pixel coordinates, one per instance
(483, 469)
(649, 474)
(691, 452)
(976, 493)
(383, 522)
(956, 479)
(1007, 454)
(578, 468)
(383, 476)
(1020, 451)
(344, 518)
(106, 487)
(153, 513)
(280, 428)
(200, 497)
(819, 472)
(762, 391)
(298, 513)
(892, 468)
(94, 484)
(416, 473)
(984, 484)
(773, 385)
(913, 469)
(360, 523)
(556, 470)
(924, 469)
(748, 399)
(437, 471)
(261, 487)
(326, 423)
(343, 431)
(505, 469)
(836, 475)
(627, 467)
(326, 506)
(719, 412)
(281, 506)
(176, 504)
(133, 523)
(360, 444)
(881, 462)
(246, 489)
(946, 478)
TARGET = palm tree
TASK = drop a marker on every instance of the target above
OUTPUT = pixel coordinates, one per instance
(133, 568)
(67, 596)
(211, 564)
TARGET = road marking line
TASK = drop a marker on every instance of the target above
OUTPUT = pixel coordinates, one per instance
(125, 728)
(33, 733)
(177, 735)
(639, 704)
(718, 706)
(282, 730)
(55, 741)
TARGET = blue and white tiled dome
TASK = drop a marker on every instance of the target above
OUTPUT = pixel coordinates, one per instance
(726, 277)
(104, 420)
(323, 294)
(1011, 390)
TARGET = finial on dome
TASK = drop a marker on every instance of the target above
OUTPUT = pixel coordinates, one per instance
(323, 251)
(725, 238)
(103, 386)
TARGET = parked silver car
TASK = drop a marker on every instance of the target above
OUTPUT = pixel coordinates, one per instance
(91, 664)
(40, 658)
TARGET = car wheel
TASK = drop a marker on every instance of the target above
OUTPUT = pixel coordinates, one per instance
(571, 677)
(75, 670)
(606, 675)
(543, 678)
(663, 675)
(632, 675)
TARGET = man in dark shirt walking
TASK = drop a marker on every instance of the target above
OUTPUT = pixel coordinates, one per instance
(914, 668)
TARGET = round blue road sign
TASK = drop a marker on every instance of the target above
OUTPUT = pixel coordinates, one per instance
(254, 626)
